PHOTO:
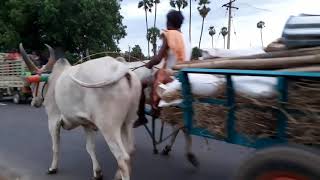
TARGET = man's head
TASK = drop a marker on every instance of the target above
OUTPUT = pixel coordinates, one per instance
(174, 19)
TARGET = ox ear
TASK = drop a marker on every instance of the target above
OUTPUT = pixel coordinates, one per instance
(31, 66)
(52, 59)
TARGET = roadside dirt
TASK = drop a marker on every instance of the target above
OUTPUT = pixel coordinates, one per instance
(6, 174)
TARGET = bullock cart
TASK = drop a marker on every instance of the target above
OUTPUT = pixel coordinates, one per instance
(287, 146)
(283, 151)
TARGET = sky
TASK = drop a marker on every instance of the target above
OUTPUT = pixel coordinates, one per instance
(244, 31)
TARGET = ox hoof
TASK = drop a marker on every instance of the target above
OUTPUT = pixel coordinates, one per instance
(166, 150)
(118, 176)
(52, 171)
(193, 159)
(98, 175)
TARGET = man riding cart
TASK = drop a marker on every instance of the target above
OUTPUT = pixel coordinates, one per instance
(175, 49)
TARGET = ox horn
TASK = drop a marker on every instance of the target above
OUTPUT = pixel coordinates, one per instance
(52, 58)
(31, 66)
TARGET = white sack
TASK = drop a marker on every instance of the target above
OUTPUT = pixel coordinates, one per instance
(254, 86)
(221, 53)
(206, 85)
(201, 84)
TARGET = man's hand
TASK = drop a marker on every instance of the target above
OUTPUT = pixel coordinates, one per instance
(157, 58)
(149, 65)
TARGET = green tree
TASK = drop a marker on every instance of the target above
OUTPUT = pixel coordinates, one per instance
(74, 26)
(147, 6)
(82, 24)
(203, 11)
(196, 53)
(180, 4)
(261, 25)
(136, 52)
(16, 21)
(153, 35)
(212, 32)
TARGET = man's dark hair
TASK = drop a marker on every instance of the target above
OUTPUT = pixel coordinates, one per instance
(175, 19)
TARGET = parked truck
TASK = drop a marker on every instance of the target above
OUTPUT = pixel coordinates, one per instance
(12, 86)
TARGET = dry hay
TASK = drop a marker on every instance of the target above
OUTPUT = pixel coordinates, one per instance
(258, 117)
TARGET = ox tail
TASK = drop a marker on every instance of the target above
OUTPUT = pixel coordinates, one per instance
(129, 78)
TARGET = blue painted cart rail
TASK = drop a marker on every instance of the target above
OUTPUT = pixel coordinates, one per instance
(232, 136)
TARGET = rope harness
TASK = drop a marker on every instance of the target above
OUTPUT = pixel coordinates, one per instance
(112, 52)
(42, 90)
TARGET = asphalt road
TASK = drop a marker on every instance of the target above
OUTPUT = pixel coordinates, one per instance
(25, 151)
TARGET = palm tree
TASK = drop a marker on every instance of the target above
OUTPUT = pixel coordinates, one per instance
(261, 25)
(203, 11)
(152, 36)
(224, 32)
(180, 4)
(212, 32)
(190, 10)
(147, 6)
(155, 3)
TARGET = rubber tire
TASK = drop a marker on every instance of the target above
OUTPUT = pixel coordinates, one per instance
(301, 160)
(16, 98)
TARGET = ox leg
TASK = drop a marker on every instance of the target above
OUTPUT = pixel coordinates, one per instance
(114, 140)
(188, 147)
(54, 129)
(128, 140)
(90, 146)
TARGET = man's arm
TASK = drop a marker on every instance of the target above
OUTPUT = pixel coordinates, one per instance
(157, 58)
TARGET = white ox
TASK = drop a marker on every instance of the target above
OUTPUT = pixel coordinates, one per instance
(101, 94)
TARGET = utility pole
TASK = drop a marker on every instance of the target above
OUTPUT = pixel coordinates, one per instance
(229, 7)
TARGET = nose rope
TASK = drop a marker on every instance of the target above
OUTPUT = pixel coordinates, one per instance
(135, 68)
(37, 88)
(42, 91)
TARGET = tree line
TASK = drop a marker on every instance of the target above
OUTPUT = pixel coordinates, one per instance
(74, 26)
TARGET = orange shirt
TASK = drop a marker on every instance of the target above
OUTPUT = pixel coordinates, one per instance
(176, 44)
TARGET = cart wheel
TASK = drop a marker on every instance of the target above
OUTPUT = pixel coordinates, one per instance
(281, 163)
(16, 98)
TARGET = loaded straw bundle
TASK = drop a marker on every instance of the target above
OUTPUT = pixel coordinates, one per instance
(257, 117)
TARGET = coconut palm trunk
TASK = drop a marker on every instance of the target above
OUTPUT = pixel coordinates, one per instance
(212, 42)
(201, 32)
(147, 32)
(190, 9)
(261, 37)
(155, 15)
